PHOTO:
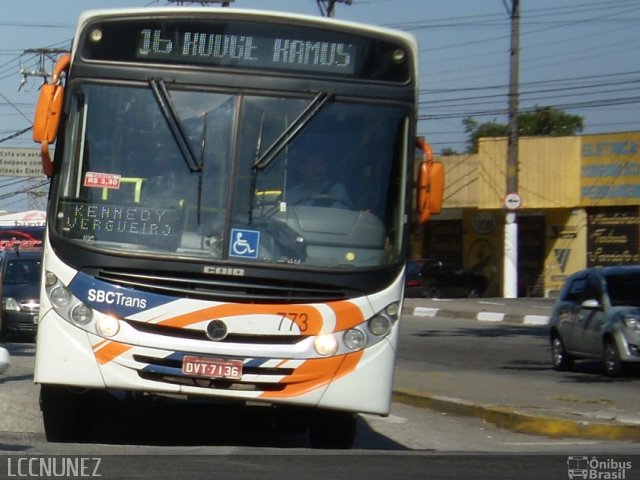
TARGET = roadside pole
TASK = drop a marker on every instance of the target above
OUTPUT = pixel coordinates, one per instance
(512, 200)
(510, 263)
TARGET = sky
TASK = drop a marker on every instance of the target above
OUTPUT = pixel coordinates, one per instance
(579, 56)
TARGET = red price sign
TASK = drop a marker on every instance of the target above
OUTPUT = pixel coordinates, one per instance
(102, 180)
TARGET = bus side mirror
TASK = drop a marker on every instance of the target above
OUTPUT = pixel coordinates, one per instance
(48, 113)
(430, 185)
(48, 110)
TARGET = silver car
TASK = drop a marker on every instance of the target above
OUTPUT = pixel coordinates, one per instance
(597, 316)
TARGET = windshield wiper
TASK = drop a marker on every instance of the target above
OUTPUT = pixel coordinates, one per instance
(194, 162)
(175, 125)
(292, 130)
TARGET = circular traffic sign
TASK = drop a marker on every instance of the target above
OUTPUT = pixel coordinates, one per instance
(512, 201)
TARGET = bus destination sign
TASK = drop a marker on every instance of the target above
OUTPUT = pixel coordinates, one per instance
(287, 48)
(248, 50)
(154, 227)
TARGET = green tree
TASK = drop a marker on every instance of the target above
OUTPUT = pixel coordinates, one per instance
(477, 130)
(447, 151)
(543, 121)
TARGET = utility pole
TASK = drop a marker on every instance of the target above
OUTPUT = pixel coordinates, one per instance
(510, 263)
(44, 54)
(328, 7)
(38, 193)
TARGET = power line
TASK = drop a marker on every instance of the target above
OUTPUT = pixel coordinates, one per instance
(593, 14)
(15, 135)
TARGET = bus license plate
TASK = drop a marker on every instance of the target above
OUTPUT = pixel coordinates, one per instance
(211, 367)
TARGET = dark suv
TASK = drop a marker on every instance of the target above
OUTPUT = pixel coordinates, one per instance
(435, 279)
(20, 291)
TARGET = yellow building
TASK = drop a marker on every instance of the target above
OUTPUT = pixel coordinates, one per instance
(580, 199)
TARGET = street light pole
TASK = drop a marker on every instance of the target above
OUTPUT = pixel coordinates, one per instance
(510, 263)
(328, 7)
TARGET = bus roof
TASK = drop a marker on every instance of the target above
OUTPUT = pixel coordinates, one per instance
(88, 15)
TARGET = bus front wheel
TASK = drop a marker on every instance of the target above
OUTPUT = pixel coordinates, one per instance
(333, 429)
(65, 414)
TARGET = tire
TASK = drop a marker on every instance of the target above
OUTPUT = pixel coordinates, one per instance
(560, 359)
(432, 292)
(332, 429)
(613, 366)
(65, 414)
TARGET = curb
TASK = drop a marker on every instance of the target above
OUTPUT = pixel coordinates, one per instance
(511, 419)
(524, 319)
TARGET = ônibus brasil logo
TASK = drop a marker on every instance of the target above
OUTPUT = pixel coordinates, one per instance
(593, 468)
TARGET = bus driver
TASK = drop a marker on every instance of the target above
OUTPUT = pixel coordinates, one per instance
(316, 188)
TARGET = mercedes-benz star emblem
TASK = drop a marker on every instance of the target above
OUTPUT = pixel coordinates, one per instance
(217, 330)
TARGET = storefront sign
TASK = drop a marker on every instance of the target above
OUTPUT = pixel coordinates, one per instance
(613, 236)
(610, 171)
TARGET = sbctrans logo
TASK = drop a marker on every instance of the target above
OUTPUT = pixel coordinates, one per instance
(593, 468)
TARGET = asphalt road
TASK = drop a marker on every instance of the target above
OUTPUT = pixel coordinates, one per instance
(446, 344)
(410, 443)
(475, 362)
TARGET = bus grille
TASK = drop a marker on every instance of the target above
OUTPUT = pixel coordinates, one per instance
(223, 288)
(191, 334)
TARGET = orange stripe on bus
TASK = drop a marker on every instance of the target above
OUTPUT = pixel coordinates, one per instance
(348, 315)
(108, 352)
(316, 373)
(98, 345)
(306, 317)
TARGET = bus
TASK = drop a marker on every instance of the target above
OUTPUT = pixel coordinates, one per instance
(178, 262)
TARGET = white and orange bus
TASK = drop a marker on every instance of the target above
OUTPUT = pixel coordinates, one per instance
(179, 258)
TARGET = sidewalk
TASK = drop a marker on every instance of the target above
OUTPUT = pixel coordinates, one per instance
(526, 311)
(512, 401)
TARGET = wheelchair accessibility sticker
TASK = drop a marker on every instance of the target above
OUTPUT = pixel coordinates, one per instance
(244, 243)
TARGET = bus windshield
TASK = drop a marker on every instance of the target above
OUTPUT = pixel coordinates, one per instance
(188, 173)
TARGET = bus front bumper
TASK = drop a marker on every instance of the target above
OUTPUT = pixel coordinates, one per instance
(360, 381)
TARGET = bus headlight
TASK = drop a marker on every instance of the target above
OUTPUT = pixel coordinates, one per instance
(60, 297)
(81, 314)
(325, 345)
(379, 325)
(354, 339)
(50, 279)
(359, 336)
(108, 326)
(393, 309)
(67, 305)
